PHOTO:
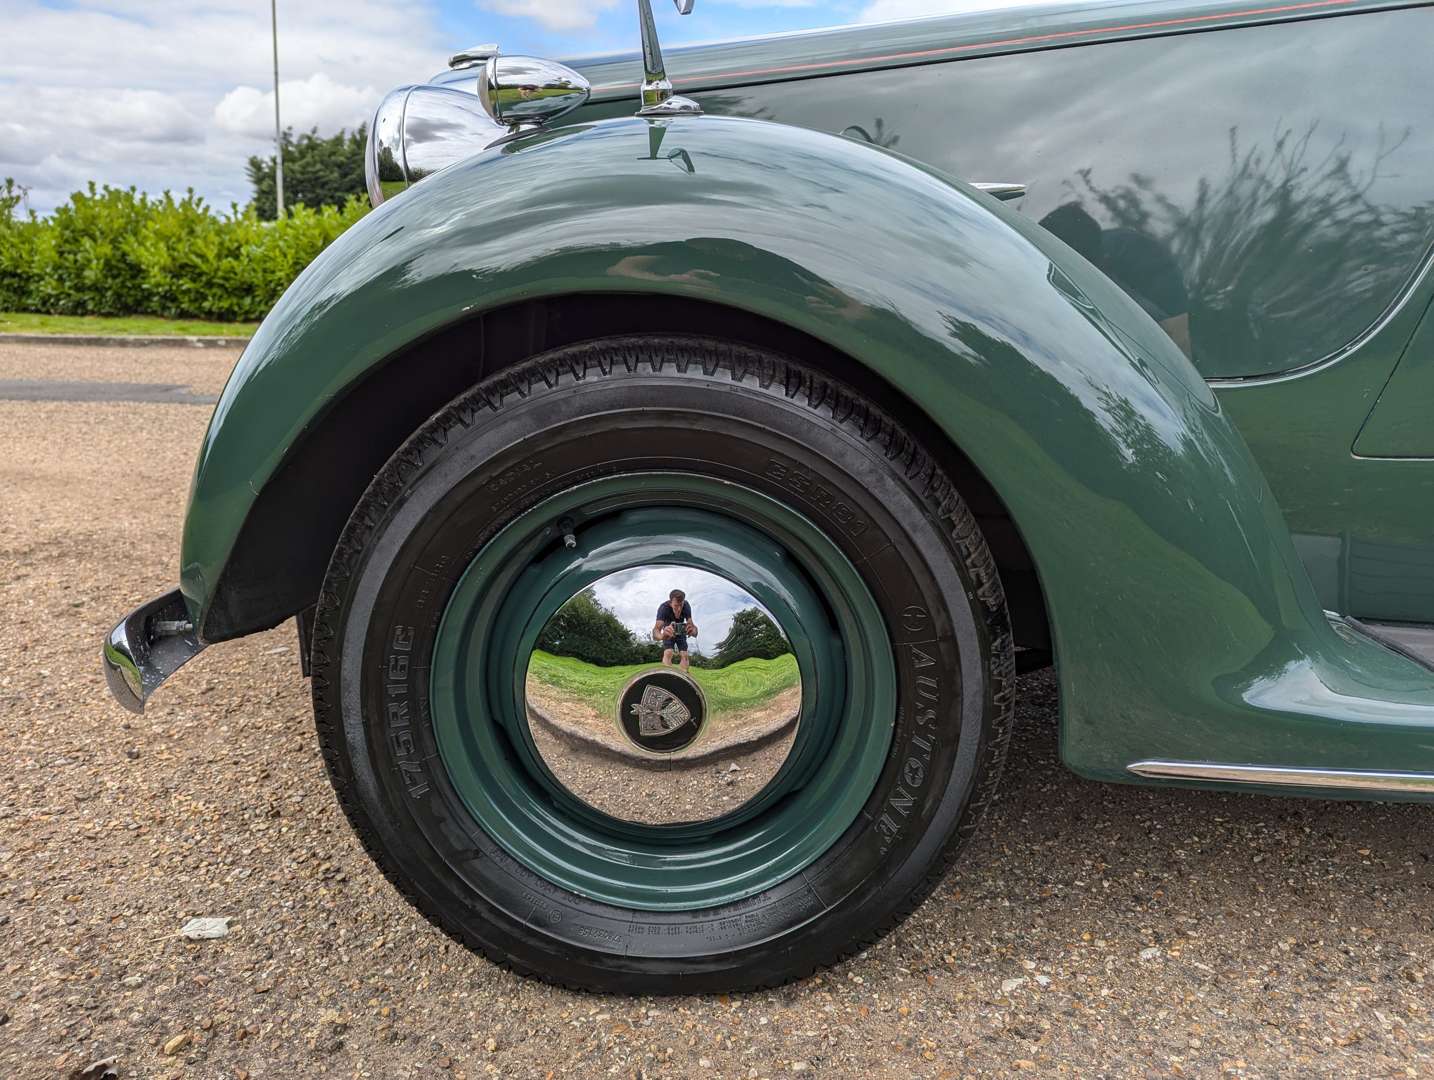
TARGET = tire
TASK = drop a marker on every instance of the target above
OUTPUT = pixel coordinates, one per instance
(694, 426)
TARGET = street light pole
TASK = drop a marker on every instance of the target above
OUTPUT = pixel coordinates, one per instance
(278, 131)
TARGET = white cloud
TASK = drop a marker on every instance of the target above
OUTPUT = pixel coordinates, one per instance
(890, 10)
(171, 94)
(554, 14)
(317, 101)
(635, 595)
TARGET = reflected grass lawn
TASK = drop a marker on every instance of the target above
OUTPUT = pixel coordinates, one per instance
(745, 685)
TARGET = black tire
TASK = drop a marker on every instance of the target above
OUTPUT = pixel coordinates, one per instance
(770, 424)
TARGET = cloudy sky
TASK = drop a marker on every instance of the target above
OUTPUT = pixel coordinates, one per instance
(178, 93)
(635, 595)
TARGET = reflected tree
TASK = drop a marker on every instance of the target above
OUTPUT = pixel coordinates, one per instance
(877, 134)
(753, 635)
(586, 630)
(1285, 257)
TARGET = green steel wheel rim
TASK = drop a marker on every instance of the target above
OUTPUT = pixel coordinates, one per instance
(518, 579)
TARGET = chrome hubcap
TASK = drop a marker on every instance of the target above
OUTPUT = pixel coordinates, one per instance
(625, 729)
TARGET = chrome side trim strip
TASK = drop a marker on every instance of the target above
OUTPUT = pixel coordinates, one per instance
(1284, 776)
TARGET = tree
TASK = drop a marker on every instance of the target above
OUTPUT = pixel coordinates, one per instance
(317, 171)
(753, 634)
(585, 630)
(12, 196)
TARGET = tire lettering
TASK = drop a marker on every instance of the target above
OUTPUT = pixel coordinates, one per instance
(745, 924)
(809, 486)
(400, 726)
(921, 745)
(598, 934)
(545, 915)
(915, 618)
(513, 475)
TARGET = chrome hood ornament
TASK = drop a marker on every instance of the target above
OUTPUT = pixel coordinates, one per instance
(657, 96)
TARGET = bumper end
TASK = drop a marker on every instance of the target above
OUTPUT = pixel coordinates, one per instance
(149, 645)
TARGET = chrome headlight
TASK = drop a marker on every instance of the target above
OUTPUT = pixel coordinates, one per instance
(525, 91)
(418, 130)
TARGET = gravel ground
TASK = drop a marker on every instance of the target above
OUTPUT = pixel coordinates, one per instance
(661, 793)
(1089, 930)
(600, 767)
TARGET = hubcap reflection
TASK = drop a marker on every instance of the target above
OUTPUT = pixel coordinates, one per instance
(659, 714)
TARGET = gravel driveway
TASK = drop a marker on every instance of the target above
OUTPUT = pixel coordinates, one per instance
(1090, 930)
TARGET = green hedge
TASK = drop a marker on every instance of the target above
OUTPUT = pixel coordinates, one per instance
(110, 251)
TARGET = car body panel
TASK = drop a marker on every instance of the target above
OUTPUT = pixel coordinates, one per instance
(1274, 220)
(1364, 525)
(1183, 622)
(1216, 176)
(840, 50)
(1401, 425)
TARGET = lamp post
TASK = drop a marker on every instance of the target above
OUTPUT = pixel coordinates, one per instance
(278, 131)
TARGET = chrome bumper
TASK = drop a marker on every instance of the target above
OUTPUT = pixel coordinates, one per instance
(149, 645)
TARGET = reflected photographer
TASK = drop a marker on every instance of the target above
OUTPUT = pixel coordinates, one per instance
(673, 626)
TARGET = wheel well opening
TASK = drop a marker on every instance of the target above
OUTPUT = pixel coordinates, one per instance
(282, 553)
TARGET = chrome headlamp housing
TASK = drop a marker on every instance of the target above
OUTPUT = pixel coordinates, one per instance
(526, 91)
(418, 130)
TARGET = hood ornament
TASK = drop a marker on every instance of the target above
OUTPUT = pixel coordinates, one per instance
(657, 96)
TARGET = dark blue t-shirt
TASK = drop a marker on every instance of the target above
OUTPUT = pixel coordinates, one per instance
(666, 615)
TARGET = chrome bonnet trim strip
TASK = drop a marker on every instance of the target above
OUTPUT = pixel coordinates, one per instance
(1284, 776)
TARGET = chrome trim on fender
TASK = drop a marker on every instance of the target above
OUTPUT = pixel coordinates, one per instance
(149, 645)
(999, 189)
(656, 93)
(1285, 776)
(474, 57)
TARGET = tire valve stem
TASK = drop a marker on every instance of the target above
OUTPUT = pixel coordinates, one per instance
(570, 539)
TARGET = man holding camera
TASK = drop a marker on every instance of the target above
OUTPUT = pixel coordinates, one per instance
(673, 627)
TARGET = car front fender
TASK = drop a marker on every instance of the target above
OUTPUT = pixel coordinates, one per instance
(1183, 623)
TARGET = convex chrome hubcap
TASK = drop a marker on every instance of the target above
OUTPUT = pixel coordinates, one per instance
(643, 740)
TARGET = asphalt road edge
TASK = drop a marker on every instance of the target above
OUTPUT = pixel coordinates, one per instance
(131, 341)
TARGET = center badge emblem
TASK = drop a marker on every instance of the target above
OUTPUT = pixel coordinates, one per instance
(662, 712)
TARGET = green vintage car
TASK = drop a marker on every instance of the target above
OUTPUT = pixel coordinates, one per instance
(916, 356)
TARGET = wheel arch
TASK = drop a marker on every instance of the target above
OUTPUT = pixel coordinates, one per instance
(1185, 625)
(279, 558)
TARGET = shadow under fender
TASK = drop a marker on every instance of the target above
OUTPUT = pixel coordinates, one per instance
(1183, 623)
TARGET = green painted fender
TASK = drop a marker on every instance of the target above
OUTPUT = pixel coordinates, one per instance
(1184, 626)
